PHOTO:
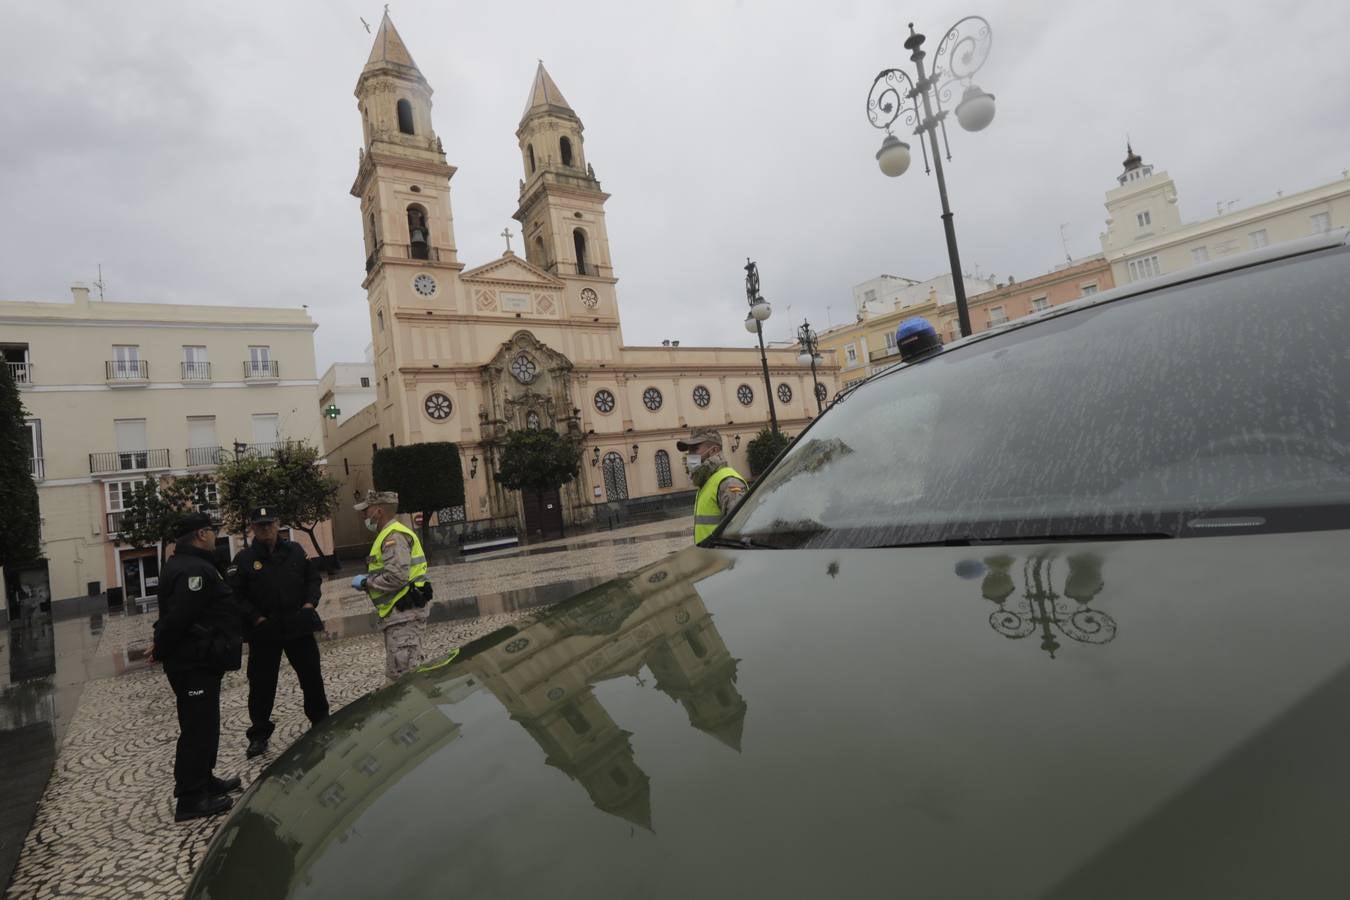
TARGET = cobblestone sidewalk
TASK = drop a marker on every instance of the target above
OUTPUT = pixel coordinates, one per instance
(105, 825)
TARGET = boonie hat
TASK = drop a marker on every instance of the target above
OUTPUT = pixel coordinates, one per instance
(700, 436)
(377, 498)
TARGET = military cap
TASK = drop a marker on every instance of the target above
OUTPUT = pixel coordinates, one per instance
(377, 498)
(262, 514)
(700, 436)
(191, 522)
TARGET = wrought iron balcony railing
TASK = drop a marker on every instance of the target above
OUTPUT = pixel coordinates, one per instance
(261, 370)
(205, 456)
(107, 462)
(196, 371)
(127, 371)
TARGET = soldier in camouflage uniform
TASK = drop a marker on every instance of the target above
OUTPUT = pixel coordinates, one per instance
(396, 583)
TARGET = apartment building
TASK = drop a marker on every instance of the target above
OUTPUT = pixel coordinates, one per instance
(117, 392)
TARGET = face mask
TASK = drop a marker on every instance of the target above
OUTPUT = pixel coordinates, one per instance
(694, 461)
(372, 525)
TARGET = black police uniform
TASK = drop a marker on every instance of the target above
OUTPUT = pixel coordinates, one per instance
(274, 584)
(198, 640)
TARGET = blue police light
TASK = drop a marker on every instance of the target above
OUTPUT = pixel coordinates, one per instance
(917, 337)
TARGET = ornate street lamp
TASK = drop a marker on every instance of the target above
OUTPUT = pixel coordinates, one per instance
(754, 323)
(960, 54)
(810, 355)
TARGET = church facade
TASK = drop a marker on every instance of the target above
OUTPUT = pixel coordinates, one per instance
(467, 354)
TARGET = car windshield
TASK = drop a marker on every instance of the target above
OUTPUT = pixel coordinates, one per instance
(1202, 408)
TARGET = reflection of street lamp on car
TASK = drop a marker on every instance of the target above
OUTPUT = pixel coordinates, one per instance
(1040, 607)
(960, 53)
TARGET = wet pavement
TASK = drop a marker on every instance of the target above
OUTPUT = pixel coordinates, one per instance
(87, 724)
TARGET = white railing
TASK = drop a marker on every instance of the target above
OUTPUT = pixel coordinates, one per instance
(21, 372)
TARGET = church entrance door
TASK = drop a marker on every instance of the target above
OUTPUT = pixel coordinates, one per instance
(543, 514)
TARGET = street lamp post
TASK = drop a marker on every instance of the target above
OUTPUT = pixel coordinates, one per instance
(810, 345)
(754, 323)
(960, 54)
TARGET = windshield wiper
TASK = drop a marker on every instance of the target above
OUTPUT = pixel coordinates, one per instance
(740, 544)
(972, 541)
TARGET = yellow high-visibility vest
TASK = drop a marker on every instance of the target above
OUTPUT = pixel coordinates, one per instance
(707, 514)
(384, 603)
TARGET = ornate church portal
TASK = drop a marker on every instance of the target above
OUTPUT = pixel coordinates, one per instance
(466, 355)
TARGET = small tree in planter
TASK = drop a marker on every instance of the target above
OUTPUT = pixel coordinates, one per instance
(538, 460)
(426, 477)
(763, 449)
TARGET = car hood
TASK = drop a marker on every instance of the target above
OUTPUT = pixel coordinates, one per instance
(1143, 718)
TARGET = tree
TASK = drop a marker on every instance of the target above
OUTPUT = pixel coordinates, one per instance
(538, 460)
(290, 480)
(154, 508)
(18, 494)
(426, 477)
(763, 449)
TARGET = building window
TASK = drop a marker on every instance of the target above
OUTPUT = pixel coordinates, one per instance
(651, 398)
(266, 430)
(822, 392)
(196, 367)
(663, 476)
(745, 394)
(616, 480)
(379, 318)
(565, 149)
(784, 393)
(34, 448)
(405, 117)
(529, 151)
(579, 241)
(890, 340)
(419, 241)
(1039, 303)
(1258, 239)
(259, 362)
(1144, 267)
(702, 397)
(852, 353)
(1144, 219)
(346, 467)
(126, 361)
(1199, 255)
(869, 295)
(119, 494)
(604, 401)
(997, 316)
(391, 440)
(1090, 288)
(1321, 223)
(365, 381)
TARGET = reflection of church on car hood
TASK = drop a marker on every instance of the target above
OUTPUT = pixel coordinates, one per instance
(545, 673)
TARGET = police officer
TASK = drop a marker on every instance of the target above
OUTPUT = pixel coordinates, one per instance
(278, 588)
(197, 638)
(720, 487)
(395, 581)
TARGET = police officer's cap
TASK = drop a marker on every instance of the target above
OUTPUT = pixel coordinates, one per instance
(190, 523)
(262, 514)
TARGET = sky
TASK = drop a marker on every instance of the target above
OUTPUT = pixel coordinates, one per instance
(204, 153)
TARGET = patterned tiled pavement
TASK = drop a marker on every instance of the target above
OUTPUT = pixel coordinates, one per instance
(105, 828)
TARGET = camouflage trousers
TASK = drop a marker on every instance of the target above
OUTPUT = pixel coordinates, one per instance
(403, 650)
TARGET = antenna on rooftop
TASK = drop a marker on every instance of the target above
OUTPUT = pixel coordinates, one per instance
(99, 284)
(1065, 242)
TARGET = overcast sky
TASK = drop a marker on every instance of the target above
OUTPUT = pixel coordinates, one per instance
(203, 153)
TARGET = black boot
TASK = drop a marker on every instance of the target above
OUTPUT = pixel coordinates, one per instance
(200, 806)
(256, 747)
(219, 786)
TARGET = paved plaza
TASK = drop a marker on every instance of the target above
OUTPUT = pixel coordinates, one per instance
(104, 825)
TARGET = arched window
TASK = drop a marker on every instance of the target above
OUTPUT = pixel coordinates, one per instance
(663, 479)
(540, 256)
(616, 480)
(419, 240)
(405, 119)
(529, 149)
(573, 717)
(565, 148)
(579, 240)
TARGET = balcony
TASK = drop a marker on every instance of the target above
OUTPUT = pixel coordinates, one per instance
(36, 468)
(114, 525)
(127, 372)
(266, 449)
(261, 371)
(195, 372)
(21, 372)
(111, 462)
(202, 457)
